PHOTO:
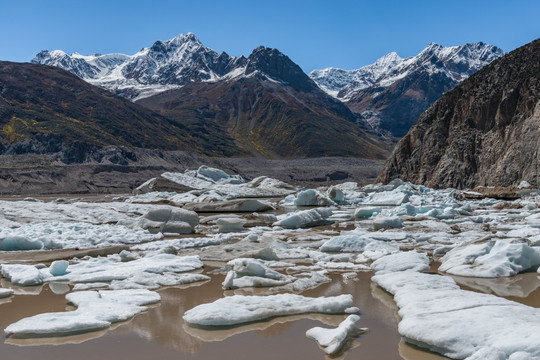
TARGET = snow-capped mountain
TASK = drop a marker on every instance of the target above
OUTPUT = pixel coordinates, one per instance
(391, 93)
(458, 62)
(165, 65)
(264, 102)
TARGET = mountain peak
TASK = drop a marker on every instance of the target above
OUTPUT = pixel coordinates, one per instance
(277, 66)
(183, 38)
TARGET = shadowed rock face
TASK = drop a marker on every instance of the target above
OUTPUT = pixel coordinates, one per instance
(273, 110)
(484, 132)
(44, 110)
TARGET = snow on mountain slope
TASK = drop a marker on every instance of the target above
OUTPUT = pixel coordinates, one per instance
(457, 62)
(163, 66)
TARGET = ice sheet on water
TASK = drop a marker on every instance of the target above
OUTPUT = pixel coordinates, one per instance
(408, 260)
(434, 310)
(18, 213)
(95, 310)
(305, 218)
(229, 186)
(61, 235)
(238, 309)
(183, 243)
(359, 240)
(151, 271)
(490, 259)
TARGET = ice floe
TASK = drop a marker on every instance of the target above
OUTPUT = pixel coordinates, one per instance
(238, 309)
(150, 272)
(95, 310)
(238, 205)
(407, 260)
(61, 235)
(167, 220)
(436, 314)
(305, 218)
(490, 259)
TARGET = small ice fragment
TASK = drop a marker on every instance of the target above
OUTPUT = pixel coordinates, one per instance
(227, 225)
(58, 267)
(387, 222)
(333, 340)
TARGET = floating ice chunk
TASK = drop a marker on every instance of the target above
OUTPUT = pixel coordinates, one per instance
(4, 293)
(357, 241)
(336, 194)
(146, 280)
(16, 243)
(301, 284)
(109, 269)
(366, 212)
(58, 235)
(333, 340)
(387, 222)
(305, 218)
(227, 225)
(183, 243)
(433, 311)
(238, 309)
(95, 310)
(151, 271)
(167, 220)
(407, 260)
(312, 197)
(388, 198)
(238, 205)
(58, 267)
(252, 273)
(288, 200)
(22, 275)
(490, 259)
(217, 176)
(342, 266)
(188, 180)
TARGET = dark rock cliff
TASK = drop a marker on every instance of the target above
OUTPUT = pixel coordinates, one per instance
(484, 132)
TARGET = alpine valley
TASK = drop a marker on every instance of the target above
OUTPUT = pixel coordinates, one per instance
(179, 95)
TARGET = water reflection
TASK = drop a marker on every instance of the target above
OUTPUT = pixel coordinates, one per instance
(59, 288)
(21, 290)
(520, 286)
(277, 325)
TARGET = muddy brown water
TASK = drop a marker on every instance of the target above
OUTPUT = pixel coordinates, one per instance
(161, 333)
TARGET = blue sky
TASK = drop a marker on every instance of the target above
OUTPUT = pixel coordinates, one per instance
(314, 34)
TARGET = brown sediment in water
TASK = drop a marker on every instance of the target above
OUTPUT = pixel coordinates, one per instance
(161, 333)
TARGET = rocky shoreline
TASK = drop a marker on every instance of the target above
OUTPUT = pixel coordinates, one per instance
(120, 170)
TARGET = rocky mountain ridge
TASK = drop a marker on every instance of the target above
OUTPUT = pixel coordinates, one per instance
(392, 92)
(485, 132)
